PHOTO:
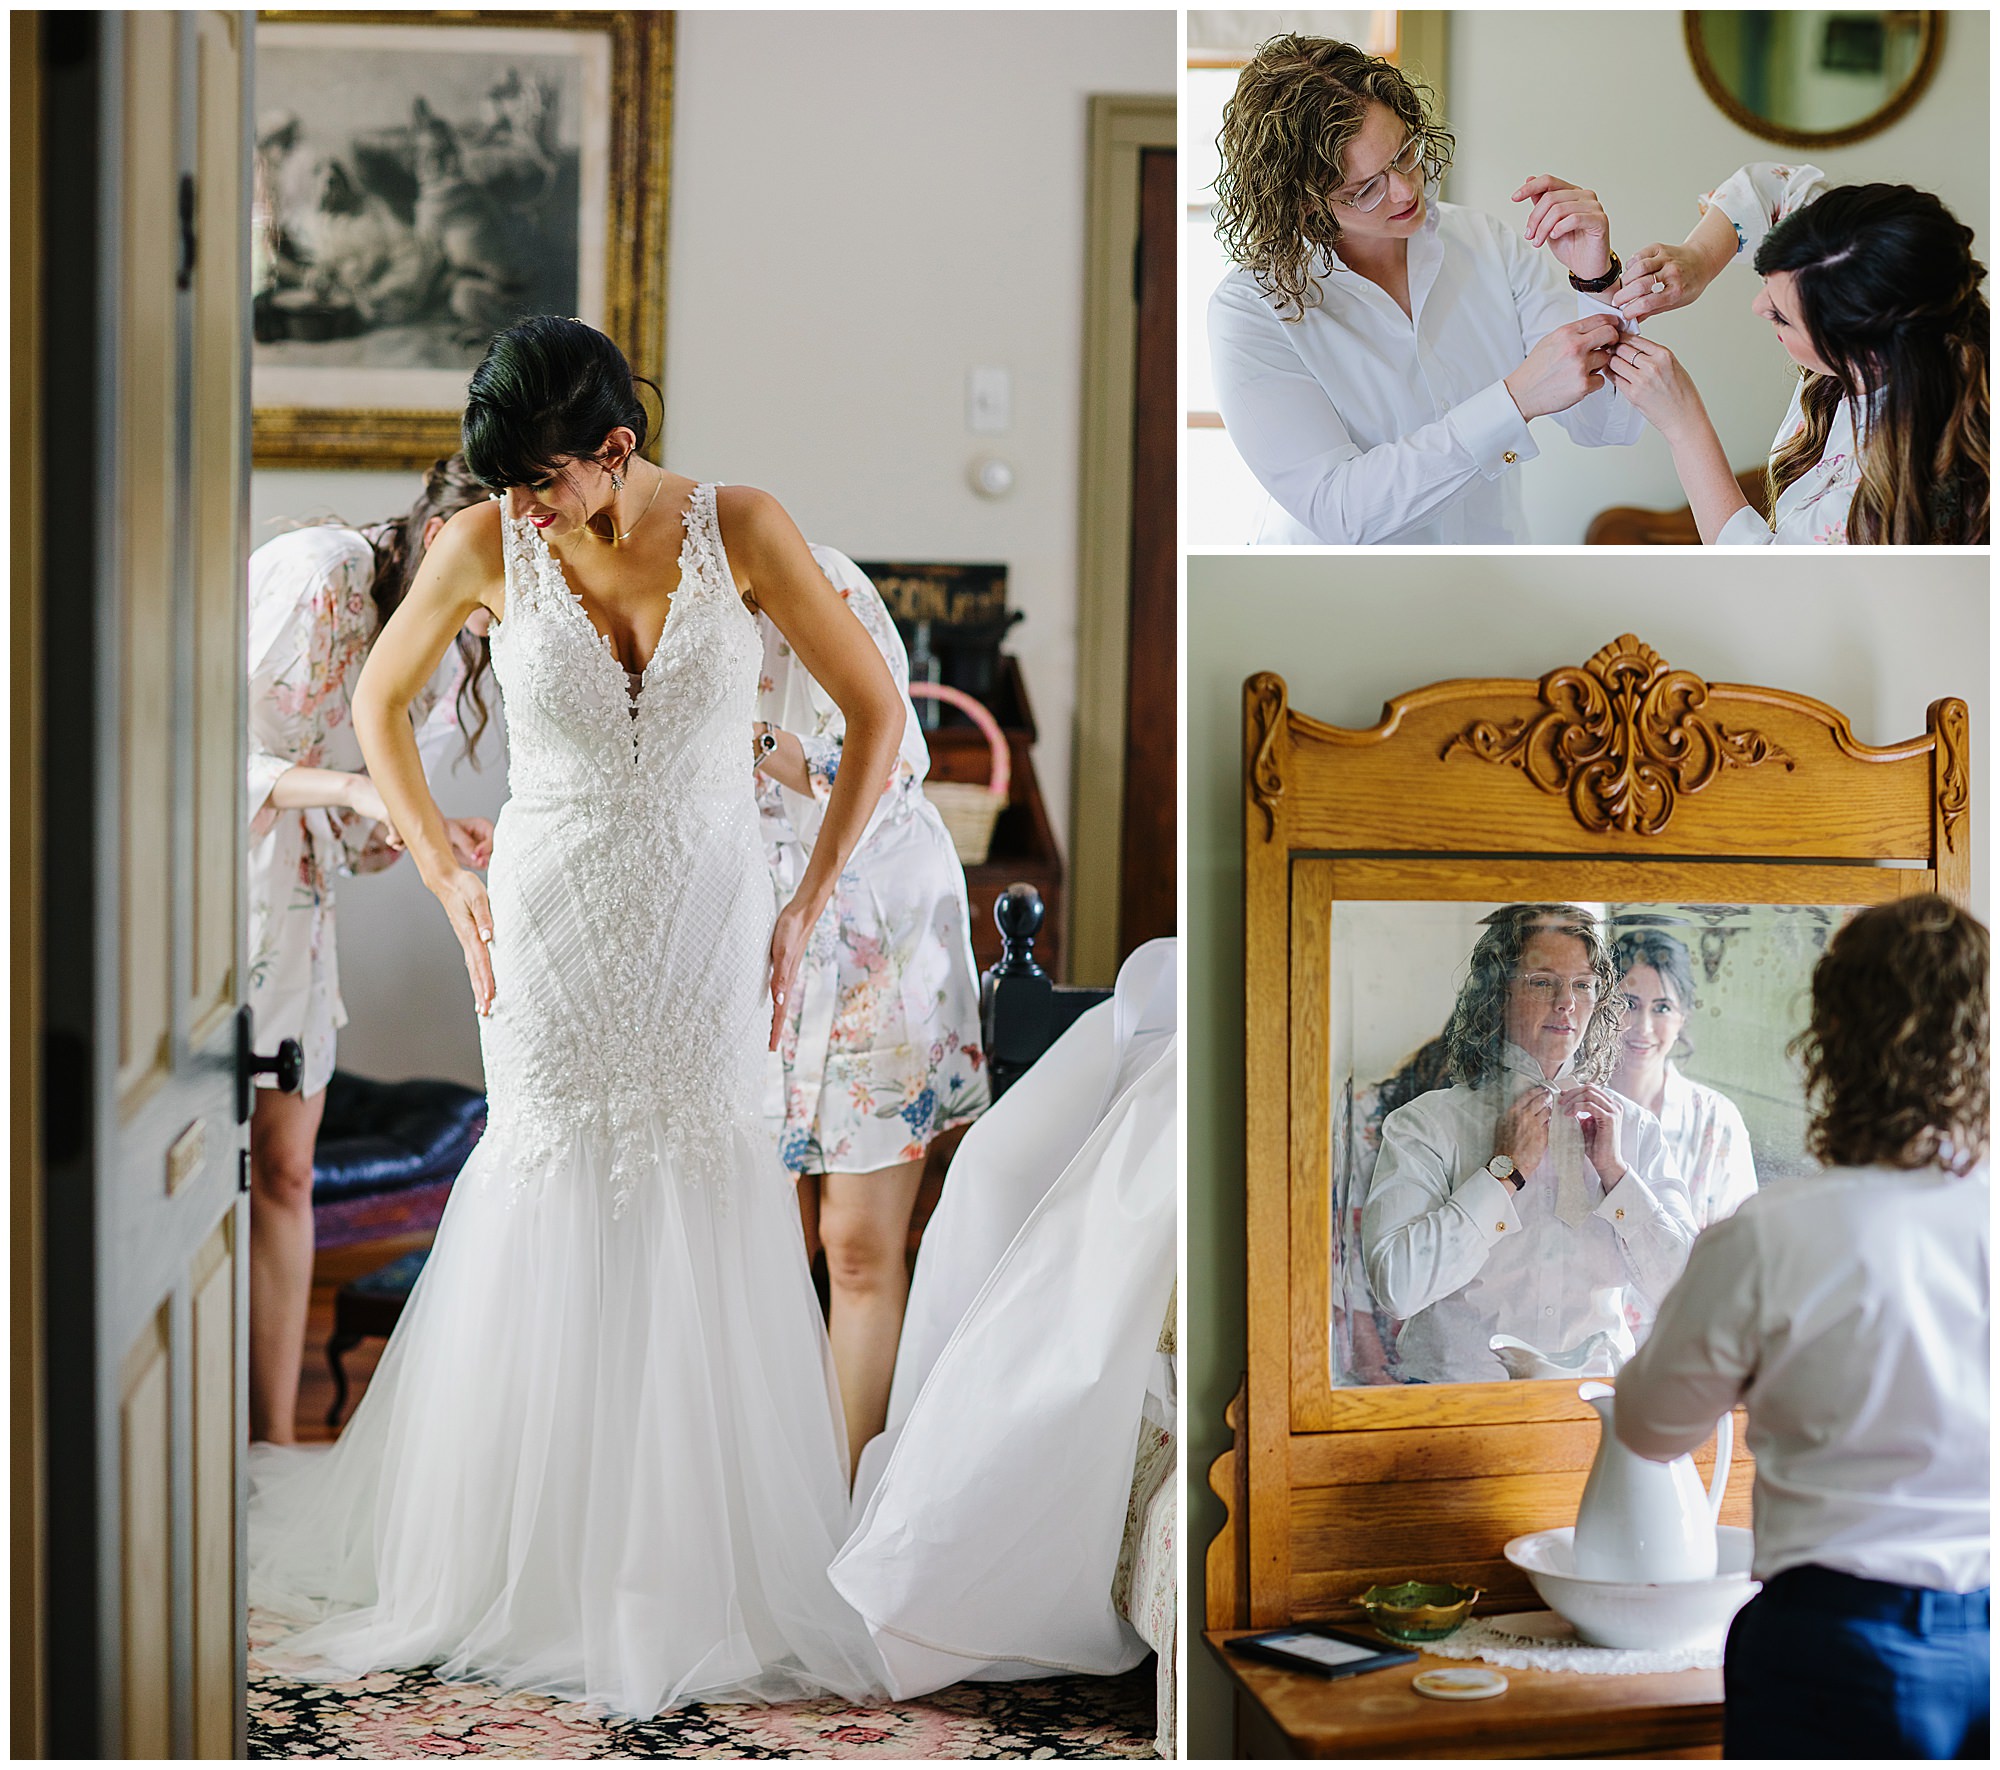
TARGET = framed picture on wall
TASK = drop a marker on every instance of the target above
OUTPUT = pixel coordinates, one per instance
(422, 180)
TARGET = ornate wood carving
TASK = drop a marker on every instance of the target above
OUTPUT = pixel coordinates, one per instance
(1954, 784)
(1624, 735)
(1267, 781)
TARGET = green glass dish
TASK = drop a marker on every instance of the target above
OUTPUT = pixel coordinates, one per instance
(1416, 1611)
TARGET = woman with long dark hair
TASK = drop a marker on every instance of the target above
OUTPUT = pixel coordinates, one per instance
(603, 1454)
(1704, 1131)
(319, 596)
(1874, 292)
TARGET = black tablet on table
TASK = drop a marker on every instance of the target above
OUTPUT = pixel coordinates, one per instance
(1318, 1648)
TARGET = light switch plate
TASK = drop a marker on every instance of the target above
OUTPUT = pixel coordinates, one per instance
(989, 400)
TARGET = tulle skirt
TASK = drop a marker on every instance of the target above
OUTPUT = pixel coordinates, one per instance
(601, 1457)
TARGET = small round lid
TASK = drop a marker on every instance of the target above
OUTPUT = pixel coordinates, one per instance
(1459, 1683)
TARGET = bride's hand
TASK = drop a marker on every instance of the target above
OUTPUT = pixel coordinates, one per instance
(464, 900)
(1652, 378)
(788, 947)
(1660, 278)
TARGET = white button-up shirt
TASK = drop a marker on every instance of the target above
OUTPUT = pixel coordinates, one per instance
(1710, 1145)
(1368, 424)
(1850, 1310)
(1461, 1256)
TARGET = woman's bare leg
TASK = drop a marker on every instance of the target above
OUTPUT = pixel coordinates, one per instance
(864, 1224)
(809, 1214)
(283, 1129)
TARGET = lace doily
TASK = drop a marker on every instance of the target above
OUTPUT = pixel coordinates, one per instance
(1541, 1641)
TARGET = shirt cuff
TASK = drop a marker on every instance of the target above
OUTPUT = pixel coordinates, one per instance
(1490, 428)
(1490, 1205)
(1628, 1204)
(1745, 529)
(1590, 306)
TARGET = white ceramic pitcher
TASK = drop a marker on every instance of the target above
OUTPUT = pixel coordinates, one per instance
(1642, 1521)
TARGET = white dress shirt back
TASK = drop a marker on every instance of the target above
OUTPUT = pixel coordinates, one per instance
(1850, 1311)
(1368, 424)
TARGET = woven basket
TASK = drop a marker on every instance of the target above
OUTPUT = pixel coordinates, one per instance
(969, 812)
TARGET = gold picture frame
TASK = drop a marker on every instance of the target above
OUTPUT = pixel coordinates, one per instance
(630, 145)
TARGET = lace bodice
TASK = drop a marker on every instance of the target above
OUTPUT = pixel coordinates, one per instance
(631, 903)
(573, 722)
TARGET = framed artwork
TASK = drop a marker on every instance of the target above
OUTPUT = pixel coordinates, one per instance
(423, 180)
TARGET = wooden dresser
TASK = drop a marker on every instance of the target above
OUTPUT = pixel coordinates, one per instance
(1620, 780)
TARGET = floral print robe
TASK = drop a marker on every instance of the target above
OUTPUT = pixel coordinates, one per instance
(312, 620)
(881, 1051)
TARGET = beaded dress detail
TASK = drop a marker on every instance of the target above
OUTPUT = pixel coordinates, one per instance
(602, 1456)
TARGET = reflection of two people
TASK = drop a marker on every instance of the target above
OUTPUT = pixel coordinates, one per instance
(1529, 1199)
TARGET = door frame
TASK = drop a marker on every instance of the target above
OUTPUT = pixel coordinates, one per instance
(1122, 127)
(29, 1578)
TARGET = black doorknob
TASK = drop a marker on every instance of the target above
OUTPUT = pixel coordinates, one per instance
(289, 1065)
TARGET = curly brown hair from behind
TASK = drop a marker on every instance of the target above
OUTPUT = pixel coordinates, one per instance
(1299, 102)
(1479, 1018)
(1896, 1051)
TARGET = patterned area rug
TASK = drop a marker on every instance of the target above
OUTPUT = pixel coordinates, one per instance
(413, 1715)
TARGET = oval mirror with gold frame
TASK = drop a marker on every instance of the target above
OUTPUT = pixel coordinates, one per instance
(1814, 78)
(1749, 819)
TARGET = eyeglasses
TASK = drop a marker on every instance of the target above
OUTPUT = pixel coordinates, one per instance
(1408, 158)
(1544, 987)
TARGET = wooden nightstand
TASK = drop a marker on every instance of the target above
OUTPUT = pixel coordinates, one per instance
(1281, 1714)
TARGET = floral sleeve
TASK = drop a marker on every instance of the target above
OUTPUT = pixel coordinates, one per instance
(289, 684)
(1757, 197)
(823, 746)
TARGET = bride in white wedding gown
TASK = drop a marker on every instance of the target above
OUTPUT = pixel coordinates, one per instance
(602, 1456)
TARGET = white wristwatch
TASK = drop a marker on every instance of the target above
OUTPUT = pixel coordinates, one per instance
(1502, 1168)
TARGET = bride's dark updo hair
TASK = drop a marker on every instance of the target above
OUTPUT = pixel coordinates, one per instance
(548, 389)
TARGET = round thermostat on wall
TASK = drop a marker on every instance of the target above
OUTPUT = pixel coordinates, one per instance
(991, 477)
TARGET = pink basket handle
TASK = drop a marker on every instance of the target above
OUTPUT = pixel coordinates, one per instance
(989, 728)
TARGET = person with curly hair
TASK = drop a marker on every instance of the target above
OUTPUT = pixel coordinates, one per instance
(1378, 354)
(1850, 1311)
(1874, 292)
(1528, 1198)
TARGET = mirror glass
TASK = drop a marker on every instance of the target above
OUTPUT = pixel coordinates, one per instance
(1800, 77)
(1690, 1038)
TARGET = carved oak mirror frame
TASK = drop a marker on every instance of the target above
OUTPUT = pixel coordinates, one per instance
(1618, 779)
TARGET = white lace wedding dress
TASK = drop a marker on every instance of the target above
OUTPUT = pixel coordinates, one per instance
(602, 1455)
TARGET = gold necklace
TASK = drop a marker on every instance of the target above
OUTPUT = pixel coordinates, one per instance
(616, 537)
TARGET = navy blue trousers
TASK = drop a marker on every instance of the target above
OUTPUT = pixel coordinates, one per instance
(1824, 1665)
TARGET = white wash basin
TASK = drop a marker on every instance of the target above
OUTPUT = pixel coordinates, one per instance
(1618, 1613)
